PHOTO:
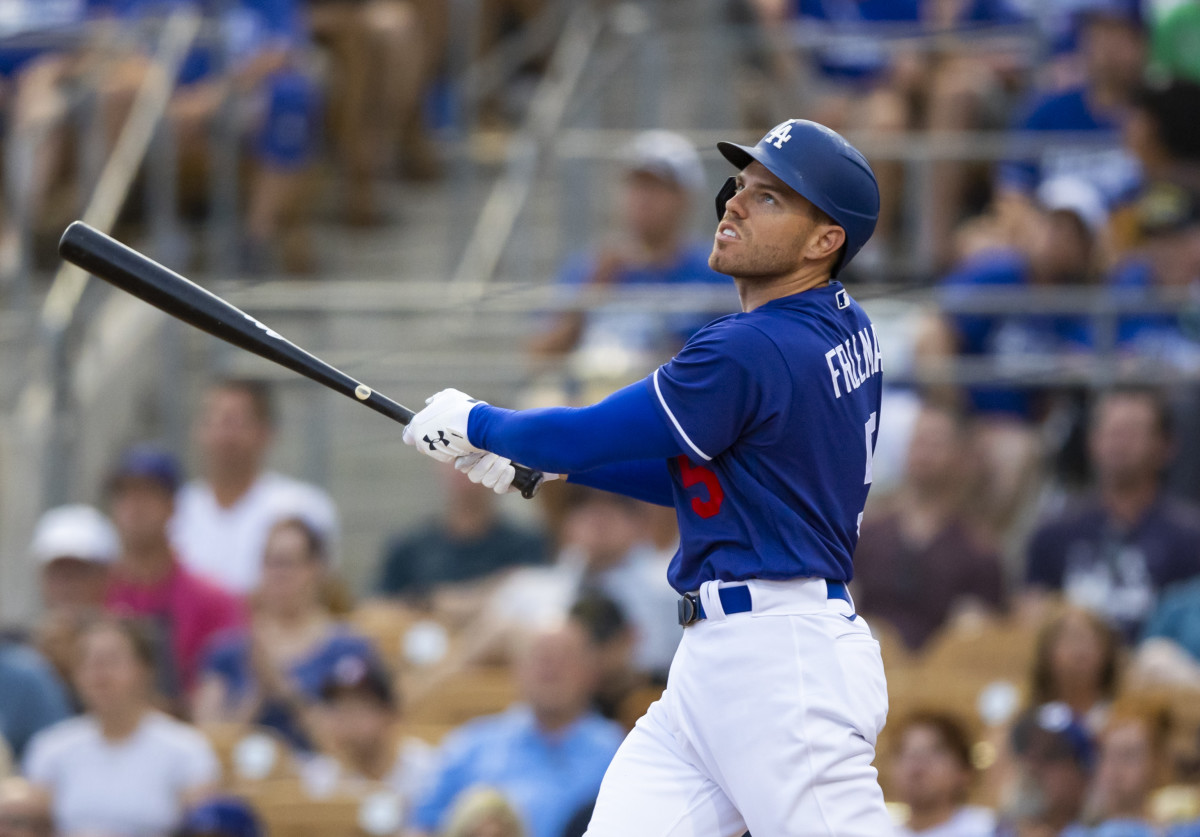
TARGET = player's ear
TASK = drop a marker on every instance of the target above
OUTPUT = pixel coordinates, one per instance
(824, 241)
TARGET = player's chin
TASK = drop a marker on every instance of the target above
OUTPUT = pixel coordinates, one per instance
(721, 260)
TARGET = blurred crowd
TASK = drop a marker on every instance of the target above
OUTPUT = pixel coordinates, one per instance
(1029, 559)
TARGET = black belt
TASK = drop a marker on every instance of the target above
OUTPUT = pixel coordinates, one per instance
(736, 599)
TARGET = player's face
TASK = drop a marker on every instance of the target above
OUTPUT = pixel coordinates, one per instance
(768, 231)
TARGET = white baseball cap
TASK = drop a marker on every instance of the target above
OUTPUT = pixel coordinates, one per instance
(1074, 194)
(75, 531)
(668, 155)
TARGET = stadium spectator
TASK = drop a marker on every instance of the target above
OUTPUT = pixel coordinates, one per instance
(483, 812)
(1160, 132)
(467, 541)
(253, 74)
(1116, 550)
(31, 695)
(1169, 653)
(1076, 664)
(547, 755)
(1131, 765)
(147, 579)
(613, 640)
(863, 76)
(1058, 248)
(609, 343)
(1112, 48)
(221, 521)
(271, 673)
(1167, 258)
(1055, 757)
(380, 70)
(74, 547)
(605, 548)
(220, 817)
(918, 562)
(360, 722)
(123, 769)
(932, 774)
(24, 810)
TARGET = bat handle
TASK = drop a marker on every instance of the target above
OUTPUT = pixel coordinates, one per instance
(527, 481)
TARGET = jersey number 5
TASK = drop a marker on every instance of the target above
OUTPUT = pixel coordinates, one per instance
(872, 421)
(699, 475)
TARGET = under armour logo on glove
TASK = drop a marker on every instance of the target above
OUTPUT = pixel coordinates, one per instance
(433, 443)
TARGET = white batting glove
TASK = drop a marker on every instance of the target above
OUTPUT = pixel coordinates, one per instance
(487, 469)
(440, 430)
(491, 471)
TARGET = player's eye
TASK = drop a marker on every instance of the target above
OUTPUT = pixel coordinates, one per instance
(768, 198)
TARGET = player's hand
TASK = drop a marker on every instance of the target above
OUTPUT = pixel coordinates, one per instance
(440, 430)
(491, 471)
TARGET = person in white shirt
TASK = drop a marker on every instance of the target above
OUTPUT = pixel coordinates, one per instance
(122, 769)
(931, 774)
(222, 520)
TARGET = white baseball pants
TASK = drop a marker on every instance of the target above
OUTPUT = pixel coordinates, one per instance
(768, 723)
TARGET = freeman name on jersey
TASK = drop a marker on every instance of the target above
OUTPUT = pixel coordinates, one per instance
(857, 359)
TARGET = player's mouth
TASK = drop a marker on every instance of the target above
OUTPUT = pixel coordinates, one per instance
(726, 232)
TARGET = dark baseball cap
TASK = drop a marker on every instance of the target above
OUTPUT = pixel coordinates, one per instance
(357, 673)
(146, 462)
(220, 817)
(1052, 731)
(1166, 207)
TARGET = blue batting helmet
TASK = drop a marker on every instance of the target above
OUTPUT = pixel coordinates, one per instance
(822, 167)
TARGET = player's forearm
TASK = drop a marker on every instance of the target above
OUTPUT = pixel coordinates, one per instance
(567, 440)
(644, 479)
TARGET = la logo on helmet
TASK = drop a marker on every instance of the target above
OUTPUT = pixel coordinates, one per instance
(780, 134)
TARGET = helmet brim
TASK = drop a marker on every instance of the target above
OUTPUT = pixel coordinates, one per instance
(740, 155)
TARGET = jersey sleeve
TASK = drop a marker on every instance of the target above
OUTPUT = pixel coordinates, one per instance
(648, 480)
(719, 386)
(566, 440)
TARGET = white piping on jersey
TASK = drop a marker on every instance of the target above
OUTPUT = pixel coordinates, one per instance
(675, 421)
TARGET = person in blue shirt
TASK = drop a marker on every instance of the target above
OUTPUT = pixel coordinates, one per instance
(546, 755)
(271, 673)
(760, 432)
(652, 249)
(254, 56)
(31, 695)
(1112, 47)
(1058, 249)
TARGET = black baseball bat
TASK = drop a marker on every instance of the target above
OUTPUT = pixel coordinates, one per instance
(137, 274)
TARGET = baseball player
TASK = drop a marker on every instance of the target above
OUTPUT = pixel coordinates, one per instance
(760, 433)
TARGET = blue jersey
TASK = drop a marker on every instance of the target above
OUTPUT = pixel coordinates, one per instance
(776, 411)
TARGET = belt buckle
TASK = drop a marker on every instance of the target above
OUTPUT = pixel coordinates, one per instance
(689, 610)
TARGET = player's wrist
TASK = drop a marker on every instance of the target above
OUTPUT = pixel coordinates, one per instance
(480, 421)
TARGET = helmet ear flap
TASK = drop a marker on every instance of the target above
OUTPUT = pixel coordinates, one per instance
(723, 196)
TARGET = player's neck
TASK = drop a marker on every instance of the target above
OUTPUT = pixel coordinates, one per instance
(758, 291)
